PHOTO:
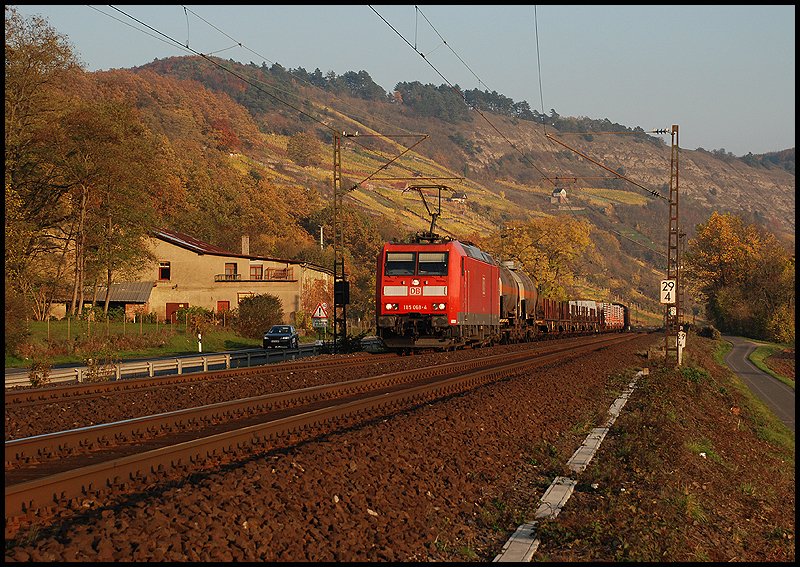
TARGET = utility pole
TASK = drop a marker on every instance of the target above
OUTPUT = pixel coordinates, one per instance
(341, 287)
(672, 316)
(341, 295)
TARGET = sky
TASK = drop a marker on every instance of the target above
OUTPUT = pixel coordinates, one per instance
(725, 75)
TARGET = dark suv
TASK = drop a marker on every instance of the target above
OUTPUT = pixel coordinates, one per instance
(281, 336)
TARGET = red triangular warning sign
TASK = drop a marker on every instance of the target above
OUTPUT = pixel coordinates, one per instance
(320, 313)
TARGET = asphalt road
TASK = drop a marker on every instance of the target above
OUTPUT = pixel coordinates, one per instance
(775, 394)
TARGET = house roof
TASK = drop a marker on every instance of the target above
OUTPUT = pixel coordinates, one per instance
(193, 244)
(127, 292)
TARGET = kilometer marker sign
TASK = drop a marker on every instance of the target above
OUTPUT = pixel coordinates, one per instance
(667, 291)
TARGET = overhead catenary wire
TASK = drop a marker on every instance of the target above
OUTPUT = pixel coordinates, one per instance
(300, 79)
(353, 138)
(461, 95)
(539, 66)
(544, 130)
(255, 83)
(541, 99)
(453, 51)
(651, 191)
(544, 125)
(476, 109)
(547, 136)
(616, 174)
(232, 72)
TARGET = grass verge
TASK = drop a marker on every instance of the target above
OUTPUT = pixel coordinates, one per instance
(763, 352)
(696, 468)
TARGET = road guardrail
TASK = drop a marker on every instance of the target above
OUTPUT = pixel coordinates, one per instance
(168, 366)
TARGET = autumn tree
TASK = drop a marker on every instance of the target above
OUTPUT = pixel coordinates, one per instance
(550, 249)
(304, 149)
(110, 160)
(744, 276)
(361, 243)
(81, 171)
(255, 315)
(134, 169)
(39, 67)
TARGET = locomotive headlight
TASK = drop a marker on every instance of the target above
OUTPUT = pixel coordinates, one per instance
(388, 307)
(442, 306)
(439, 306)
(391, 306)
(415, 282)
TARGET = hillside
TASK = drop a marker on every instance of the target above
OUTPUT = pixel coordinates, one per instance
(483, 148)
(506, 166)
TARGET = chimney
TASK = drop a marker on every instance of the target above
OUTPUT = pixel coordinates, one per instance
(245, 245)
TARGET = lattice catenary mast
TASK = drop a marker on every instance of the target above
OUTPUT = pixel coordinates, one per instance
(672, 317)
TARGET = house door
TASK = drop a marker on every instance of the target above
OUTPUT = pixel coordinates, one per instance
(171, 310)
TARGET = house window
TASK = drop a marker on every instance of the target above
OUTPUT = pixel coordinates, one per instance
(230, 271)
(244, 295)
(163, 271)
(256, 272)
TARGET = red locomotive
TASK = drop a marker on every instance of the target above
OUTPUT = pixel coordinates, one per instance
(447, 293)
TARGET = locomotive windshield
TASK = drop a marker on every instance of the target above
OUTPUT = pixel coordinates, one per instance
(432, 264)
(400, 263)
(405, 264)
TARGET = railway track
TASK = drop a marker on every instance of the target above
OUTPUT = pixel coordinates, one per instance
(46, 472)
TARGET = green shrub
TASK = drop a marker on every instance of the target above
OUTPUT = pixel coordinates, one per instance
(257, 314)
(199, 318)
(710, 332)
(16, 324)
(694, 374)
(39, 372)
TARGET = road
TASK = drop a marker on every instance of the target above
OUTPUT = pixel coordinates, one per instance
(775, 394)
